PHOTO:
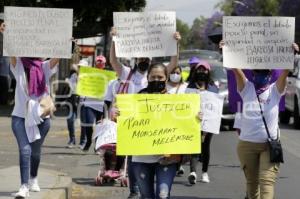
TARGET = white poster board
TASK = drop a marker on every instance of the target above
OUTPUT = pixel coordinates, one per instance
(211, 108)
(258, 42)
(38, 32)
(145, 34)
(106, 133)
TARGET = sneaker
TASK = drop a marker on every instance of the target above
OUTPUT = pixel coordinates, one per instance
(71, 145)
(23, 192)
(34, 185)
(81, 146)
(133, 196)
(205, 178)
(192, 178)
(180, 171)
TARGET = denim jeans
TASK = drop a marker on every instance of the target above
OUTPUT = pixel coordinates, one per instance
(133, 186)
(29, 153)
(71, 127)
(145, 174)
(88, 117)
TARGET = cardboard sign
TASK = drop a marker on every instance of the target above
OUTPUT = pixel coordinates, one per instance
(158, 124)
(92, 82)
(38, 32)
(258, 42)
(145, 34)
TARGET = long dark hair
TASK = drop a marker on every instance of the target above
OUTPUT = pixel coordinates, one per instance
(158, 65)
(193, 80)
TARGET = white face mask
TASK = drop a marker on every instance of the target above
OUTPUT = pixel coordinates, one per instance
(175, 78)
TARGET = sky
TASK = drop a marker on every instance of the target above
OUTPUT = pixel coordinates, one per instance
(186, 10)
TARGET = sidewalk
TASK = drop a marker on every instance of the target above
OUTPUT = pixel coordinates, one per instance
(54, 185)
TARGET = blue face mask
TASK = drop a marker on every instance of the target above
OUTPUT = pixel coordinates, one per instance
(261, 80)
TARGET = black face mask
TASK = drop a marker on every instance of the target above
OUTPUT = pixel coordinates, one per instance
(143, 66)
(201, 77)
(156, 86)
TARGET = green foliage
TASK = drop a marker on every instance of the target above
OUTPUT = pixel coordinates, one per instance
(184, 30)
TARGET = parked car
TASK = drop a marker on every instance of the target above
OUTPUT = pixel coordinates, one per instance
(292, 97)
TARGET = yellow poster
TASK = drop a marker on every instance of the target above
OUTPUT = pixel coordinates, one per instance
(158, 124)
(92, 82)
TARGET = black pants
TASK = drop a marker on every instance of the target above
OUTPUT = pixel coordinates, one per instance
(204, 156)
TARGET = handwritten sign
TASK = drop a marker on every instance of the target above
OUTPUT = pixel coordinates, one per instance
(38, 32)
(145, 34)
(258, 42)
(158, 124)
(92, 82)
(106, 133)
(211, 108)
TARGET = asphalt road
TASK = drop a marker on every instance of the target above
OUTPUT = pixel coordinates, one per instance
(227, 180)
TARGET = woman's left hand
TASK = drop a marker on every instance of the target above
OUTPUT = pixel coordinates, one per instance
(296, 47)
(177, 36)
(200, 116)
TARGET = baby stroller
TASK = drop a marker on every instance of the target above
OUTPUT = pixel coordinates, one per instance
(112, 167)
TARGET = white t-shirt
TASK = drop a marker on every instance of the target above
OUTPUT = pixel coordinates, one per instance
(237, 120)
(252, 126)
(137, 82)
(21, 86)
(112, 90)
(176, 90)
(73, 82)
(93, 103)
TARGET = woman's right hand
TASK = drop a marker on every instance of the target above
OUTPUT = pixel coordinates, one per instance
(221, 44)
(113, 31)
(200, 116)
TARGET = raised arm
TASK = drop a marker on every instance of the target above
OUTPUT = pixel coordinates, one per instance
(238, 73)
(281, 81)
(53, 62)
(174, 59)
(116, 65)
(240, 79)
(13, 61)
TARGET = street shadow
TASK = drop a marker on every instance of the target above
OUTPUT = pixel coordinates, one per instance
(92, 165)
(6, 110)
(55, 147)
(91, 182)
(7, 194)
(192, 197)
(66, 153)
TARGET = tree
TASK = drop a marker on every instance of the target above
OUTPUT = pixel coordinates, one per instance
(184, 30)
(196, 36)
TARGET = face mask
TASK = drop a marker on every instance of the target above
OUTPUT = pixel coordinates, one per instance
(261, 80)
(201, 77)
(156, 86)
(143, 66)
(175, 78)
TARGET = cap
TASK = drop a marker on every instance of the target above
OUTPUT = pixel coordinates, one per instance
(194, 60)
(203, 63)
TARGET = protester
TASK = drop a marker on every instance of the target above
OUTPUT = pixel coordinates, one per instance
(30, 120)
(201, 81)
(175, 84)
(135, 79)
(92, 110)
(163, 168)
(73, 101)
(253, 149)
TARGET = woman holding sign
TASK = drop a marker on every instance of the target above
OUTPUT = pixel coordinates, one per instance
(31, 115)
(201, 81)
(163, 168)
(259, 121)
(134, 80)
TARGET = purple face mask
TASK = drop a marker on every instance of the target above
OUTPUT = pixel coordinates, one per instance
(261, 82)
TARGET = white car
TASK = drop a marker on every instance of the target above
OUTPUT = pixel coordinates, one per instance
(292, 97)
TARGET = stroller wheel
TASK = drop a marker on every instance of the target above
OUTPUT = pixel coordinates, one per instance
(98, 181)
